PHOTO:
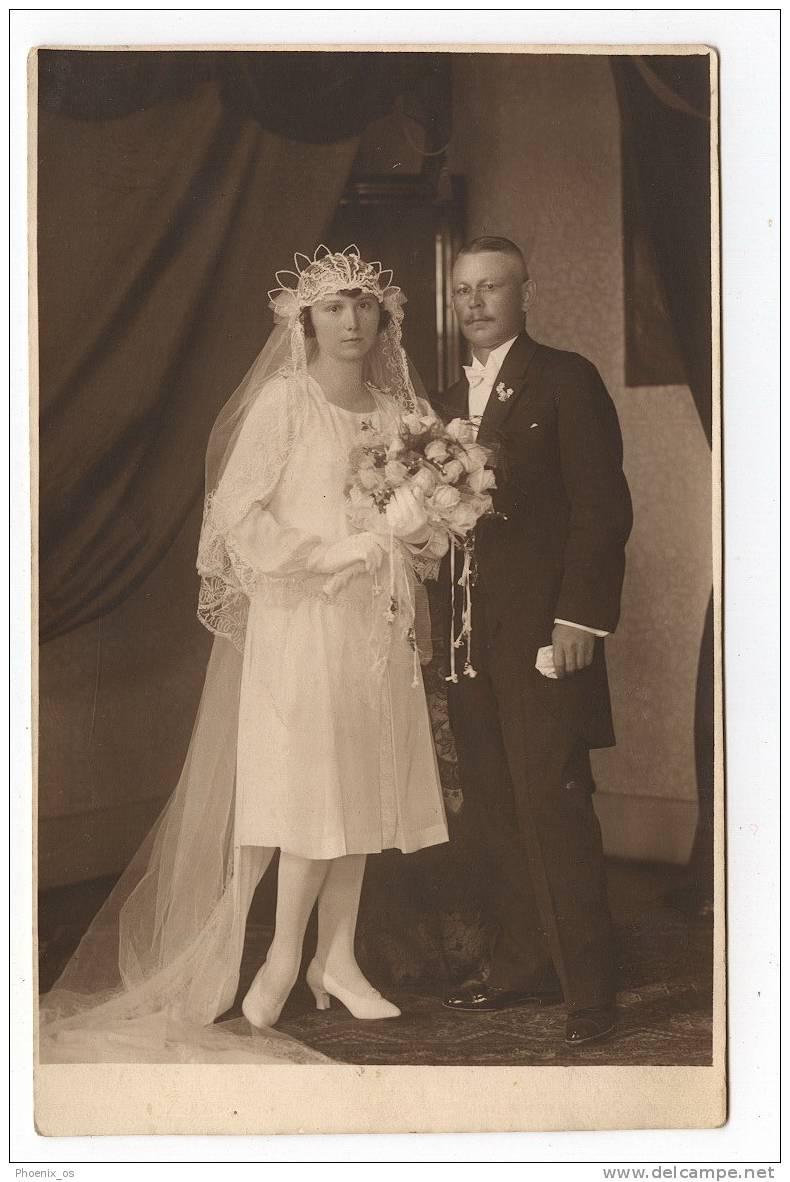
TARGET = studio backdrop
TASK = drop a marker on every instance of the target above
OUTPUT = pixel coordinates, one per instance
(171, 186)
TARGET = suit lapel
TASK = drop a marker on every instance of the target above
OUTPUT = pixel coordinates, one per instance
(511, 377)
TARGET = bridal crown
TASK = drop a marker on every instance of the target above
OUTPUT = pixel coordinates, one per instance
(326, 274)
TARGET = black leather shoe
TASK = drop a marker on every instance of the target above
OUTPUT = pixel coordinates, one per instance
(478, 998)
(588, 1025)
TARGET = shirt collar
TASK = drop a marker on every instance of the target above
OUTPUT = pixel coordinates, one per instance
(495, 357)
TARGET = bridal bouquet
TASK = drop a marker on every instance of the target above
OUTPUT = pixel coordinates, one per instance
(445, 469)
(442, 465)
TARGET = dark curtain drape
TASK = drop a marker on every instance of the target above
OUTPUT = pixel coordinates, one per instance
(317, 98)
(170, 186)
(665, 113)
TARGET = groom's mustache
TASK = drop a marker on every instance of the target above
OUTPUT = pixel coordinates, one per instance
(477, 319)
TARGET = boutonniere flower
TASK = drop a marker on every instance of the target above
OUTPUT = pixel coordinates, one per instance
(503, 392)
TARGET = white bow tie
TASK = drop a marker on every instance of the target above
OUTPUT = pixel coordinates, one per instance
(476, 375)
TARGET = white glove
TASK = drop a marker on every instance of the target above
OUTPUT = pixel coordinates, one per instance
(406, 516)
(363, 549)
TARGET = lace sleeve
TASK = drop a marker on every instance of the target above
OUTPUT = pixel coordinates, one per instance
(260, 547)
(252, 468)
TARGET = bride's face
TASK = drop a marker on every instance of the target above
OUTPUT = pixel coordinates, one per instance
(346, 325)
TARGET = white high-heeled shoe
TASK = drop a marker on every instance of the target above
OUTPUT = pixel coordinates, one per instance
(368, 1006)
(262, 1009)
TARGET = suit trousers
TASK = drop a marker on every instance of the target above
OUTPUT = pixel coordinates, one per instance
(527, 781)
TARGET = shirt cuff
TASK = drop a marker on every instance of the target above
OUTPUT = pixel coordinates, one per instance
(582, 627)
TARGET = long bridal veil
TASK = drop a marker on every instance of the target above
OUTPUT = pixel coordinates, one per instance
(160, 963)
(161, 960)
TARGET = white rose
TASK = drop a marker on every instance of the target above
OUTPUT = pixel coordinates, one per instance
(413, 424)
(481, 479)
(464, 460)
(476, 455)
(463, 517)
(461, 431)
(369, 478)
(446, 497)
(452, 471)
(424, 479)
(395, 472)
(437, 451)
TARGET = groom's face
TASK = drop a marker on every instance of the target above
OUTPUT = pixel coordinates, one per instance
(488, 297)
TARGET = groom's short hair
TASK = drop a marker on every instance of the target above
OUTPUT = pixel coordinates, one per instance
(489, 244)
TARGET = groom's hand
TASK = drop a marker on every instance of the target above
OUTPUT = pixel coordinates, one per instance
(573, 649)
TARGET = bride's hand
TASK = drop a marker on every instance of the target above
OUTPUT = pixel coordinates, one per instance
(406, 516)
(365, 548)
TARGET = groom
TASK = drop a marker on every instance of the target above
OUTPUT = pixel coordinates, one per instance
(547, 590)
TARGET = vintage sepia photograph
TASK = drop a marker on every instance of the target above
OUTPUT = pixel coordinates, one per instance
(377, 566)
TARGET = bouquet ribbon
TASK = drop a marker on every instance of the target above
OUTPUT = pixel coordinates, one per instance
(466, 616)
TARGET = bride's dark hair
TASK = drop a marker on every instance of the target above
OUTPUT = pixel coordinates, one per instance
(307, 320)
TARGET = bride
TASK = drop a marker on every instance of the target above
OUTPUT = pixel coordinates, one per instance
(312, 736)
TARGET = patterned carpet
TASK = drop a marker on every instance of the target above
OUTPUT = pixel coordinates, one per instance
(420, 931)
(665, 975)
(664, 1001)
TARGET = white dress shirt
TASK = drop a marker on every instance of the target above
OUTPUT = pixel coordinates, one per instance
(481, 380)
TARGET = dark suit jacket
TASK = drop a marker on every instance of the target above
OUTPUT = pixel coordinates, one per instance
(558, 550)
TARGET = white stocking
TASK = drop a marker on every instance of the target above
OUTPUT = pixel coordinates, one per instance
(298, 883)
(338, 906)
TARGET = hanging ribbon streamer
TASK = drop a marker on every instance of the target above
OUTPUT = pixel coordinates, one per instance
(453, 676)
(400, 597)
(466, 630)
(465, 583)
(393, 604)
(411, 633)
(394, 607)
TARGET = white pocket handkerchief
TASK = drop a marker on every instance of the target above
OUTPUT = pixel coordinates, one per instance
(545, 661)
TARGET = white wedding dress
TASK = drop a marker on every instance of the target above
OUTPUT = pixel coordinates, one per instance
(335, 756)
(312, 736)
